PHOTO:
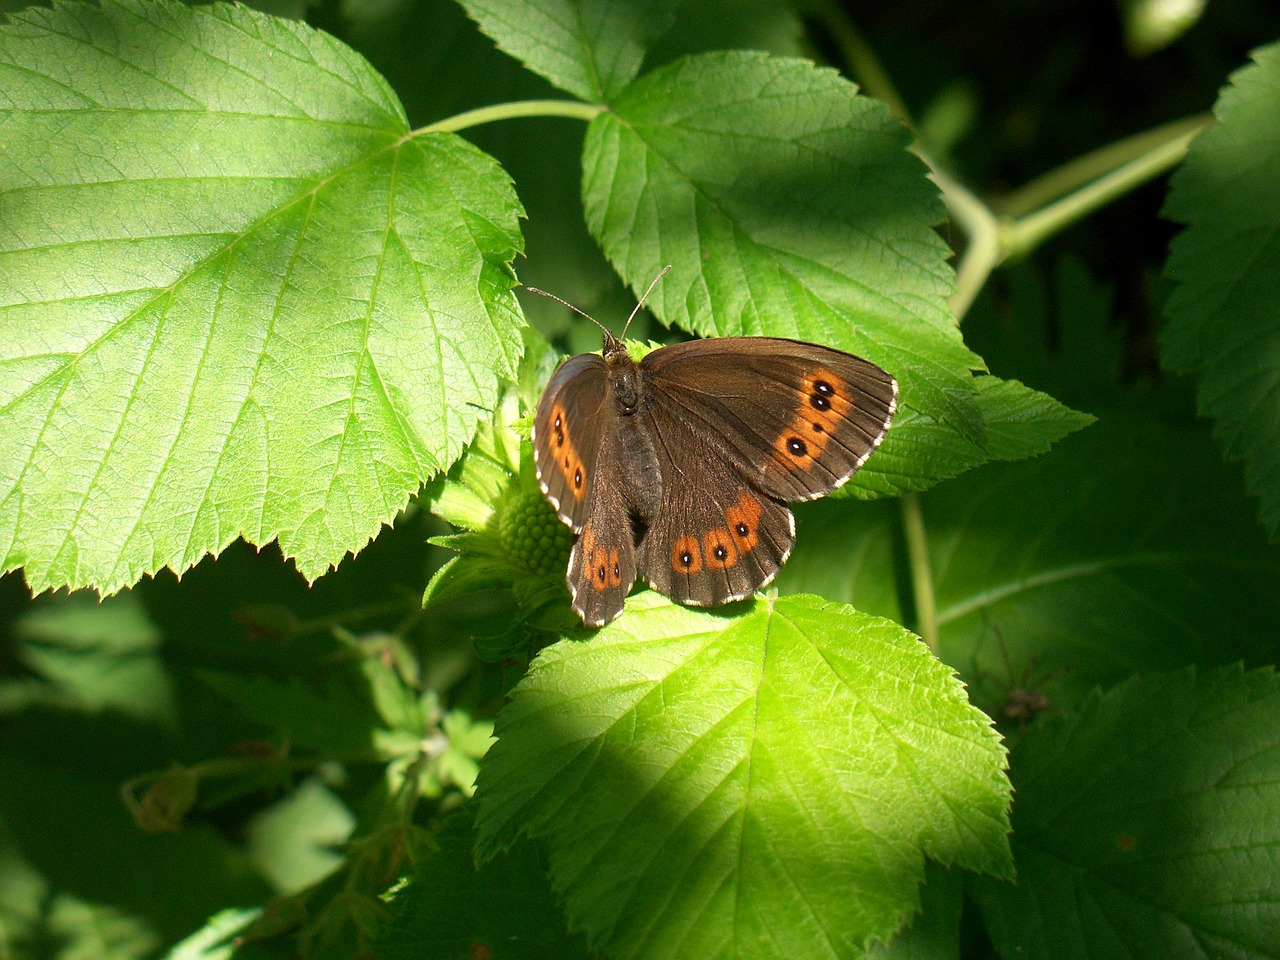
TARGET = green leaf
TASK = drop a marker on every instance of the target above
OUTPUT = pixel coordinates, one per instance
(1020, 423)
(787, 205)
(295, 841)
(92, 656)
(332, 721)
(589, 48)
(1129, 546)
(504, 910)
(1146, 826)
(237, 299)
(766, 784)
(1224, 315)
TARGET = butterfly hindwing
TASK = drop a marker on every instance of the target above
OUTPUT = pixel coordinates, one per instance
(714, 539)
(797, 419)
(602, 563)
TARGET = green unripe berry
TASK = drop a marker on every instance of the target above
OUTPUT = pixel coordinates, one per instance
(532, 534)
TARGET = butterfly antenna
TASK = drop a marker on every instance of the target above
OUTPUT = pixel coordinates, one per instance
(581, 313)
(640, 304)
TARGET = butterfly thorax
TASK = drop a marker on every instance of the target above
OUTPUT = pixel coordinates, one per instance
(640, 486)
(624, 375)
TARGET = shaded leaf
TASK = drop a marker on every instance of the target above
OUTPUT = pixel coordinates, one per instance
(1020, 423)
(1146, 827)
(504, 909)
(295, 842)
(1224, 315)
(333, 720)
(105, 883)
(91, 656)
(1130, 545)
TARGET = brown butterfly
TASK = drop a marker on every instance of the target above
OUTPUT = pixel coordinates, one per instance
(680, 467)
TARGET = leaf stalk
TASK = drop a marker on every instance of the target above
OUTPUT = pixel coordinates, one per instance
(514, 110)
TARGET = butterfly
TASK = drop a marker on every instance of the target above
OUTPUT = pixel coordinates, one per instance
(678, 468)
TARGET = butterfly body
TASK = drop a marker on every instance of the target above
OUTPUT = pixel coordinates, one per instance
(679, 468)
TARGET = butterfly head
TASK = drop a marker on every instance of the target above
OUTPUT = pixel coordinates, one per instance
(624, 375)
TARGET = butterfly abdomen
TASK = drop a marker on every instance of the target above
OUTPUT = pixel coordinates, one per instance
(641, 486)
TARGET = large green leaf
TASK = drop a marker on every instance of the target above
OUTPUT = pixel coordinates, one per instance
(1019, 423)
(1225, 312)
(236, 299)
(1146, 826)
(1129, 546)
(759, 785)
(590, 48)
(787, 205)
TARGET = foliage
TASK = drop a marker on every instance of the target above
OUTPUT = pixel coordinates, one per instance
(265, 387)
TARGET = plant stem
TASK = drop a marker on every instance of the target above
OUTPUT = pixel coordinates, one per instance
(514, 110)
(1057, 183)
(921, 572)
(982, 253)
(1019, 237)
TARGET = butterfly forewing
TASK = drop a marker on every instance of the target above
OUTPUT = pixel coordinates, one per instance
(572, 421)
(796, 419)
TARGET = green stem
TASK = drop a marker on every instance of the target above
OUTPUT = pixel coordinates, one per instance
(514, 110)
(1023, 235)
(982, 252)
(1057, 183)
(921, 572)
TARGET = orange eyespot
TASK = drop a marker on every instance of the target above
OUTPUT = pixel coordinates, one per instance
(686, 555)
(822, 402)
(743, 520)
(566, 455)
(718, 548)
(600, 568)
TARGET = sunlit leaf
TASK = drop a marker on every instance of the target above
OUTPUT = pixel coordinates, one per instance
(761, 785)
(236, 299)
